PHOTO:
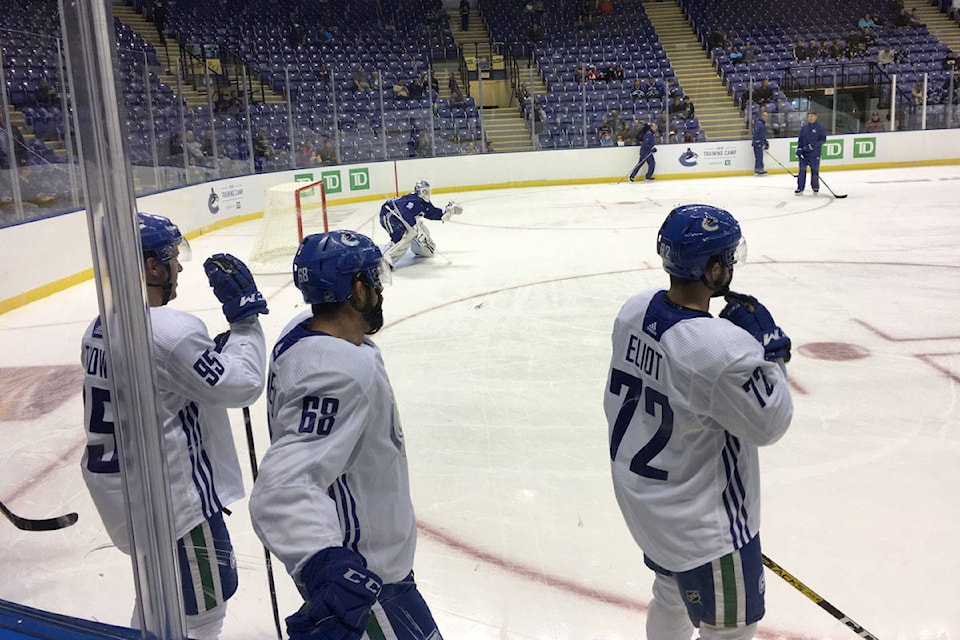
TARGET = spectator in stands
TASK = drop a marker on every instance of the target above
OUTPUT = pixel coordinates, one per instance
(464, 15)
(673, 89)
(813, 51)
(45, 95)
(523, 97)
(539, 117)
(687, 110)
(902, 19)
(902, 56)
(206, 146)
(328, 152)
(423, 147)
(688, 137)
(193, 147)
(654, 89)
(736, 56)
(867, 38)
(416, 90)
(874, 124)
(936, 93)
(621, 142)
(950, 64)
(430, 80)
(749, 53)
(578, 72)
(763, 95)
(836, 49)
(618, 72)
(614, 123)
(606, 140)
(470, 148)
(885, 56)
(452, 85)
(160, 20)
(718, 39)
(866, 22)
(457, 101)
(374, 80)
(307, 155)
(361, 81)
(591, 74)
(638, 91)
(297, 37)
(916, 95)
(800, 51)
(954, 11)
(607, 74)
(175, 148)
(535, 33)
(262, 149)
(400, 91)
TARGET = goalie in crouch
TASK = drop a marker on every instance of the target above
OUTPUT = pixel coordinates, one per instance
(402, 218)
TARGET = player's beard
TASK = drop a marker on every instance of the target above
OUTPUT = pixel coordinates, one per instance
(373, 314)
(723, 287)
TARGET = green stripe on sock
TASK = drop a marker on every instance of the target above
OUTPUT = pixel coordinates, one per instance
(374, 631)
(203, 566)
(729, 579)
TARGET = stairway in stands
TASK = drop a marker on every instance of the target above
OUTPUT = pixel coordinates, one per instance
(719, 118)
(503, 125)
(169, 57)
(937, 23)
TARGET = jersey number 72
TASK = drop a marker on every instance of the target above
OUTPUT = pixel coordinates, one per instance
(651, 400)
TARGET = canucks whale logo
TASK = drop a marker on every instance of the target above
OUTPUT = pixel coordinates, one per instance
(213, 201)
(688, 158)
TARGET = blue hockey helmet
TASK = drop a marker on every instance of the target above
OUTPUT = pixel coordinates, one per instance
(692, 234)
(160, 237)
(422, 189)
(326, 264)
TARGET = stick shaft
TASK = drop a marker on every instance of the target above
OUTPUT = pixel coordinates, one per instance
(266, 552)
(819, 600)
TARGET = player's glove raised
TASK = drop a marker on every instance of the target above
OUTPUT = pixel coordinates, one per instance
(747, 313)
(233, 285)
(452, 209)
(340, 592)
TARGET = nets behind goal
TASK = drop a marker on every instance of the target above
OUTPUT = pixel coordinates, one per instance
(291, 211)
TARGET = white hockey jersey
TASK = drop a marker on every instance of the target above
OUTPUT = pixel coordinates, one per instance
(689, 399)
(196, 385)
(336, 471)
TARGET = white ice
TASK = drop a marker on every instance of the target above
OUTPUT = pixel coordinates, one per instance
(498, 350)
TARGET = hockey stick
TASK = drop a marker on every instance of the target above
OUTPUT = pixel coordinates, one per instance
(639, 164)
(266, 552)
(835, 195)
(780, 163)
(818, 599)
(46, 524)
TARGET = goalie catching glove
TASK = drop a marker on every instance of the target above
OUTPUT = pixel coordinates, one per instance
(234, 287)
(340, 591)
(452, 209)
(747, 313)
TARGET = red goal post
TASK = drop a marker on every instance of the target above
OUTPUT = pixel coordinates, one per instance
(291, 211)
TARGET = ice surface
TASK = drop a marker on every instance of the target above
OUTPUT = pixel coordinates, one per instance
(498, 352)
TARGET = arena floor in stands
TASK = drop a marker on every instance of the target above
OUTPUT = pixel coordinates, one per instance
(498, 350)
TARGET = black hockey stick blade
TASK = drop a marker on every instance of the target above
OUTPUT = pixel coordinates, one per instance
(46, 524)
(838, 196)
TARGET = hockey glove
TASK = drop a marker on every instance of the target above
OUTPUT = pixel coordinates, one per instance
(747, 313)
(766, 145)
(799, 153)
(233, 285)
(452, 209)
(340, 591)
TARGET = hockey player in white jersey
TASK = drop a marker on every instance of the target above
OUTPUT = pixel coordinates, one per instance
(332, 498)
(689, 399)
(197, 379)
(402, 218)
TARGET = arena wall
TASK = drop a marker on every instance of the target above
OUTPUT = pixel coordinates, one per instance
(48, 255)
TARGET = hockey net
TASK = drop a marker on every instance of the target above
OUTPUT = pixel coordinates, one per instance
(292, 210)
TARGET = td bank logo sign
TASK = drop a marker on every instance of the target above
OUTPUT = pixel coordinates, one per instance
(834, 149)
(355, 180)
(333, 181)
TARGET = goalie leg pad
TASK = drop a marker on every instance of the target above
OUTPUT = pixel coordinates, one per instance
(399, 248)
(423, 245)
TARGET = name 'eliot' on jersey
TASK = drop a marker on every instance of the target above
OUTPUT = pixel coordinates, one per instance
(644, 356)
(95, 361)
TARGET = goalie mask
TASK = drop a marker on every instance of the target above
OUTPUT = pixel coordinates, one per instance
(692, 234)
(422, 189)
(327, 263)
